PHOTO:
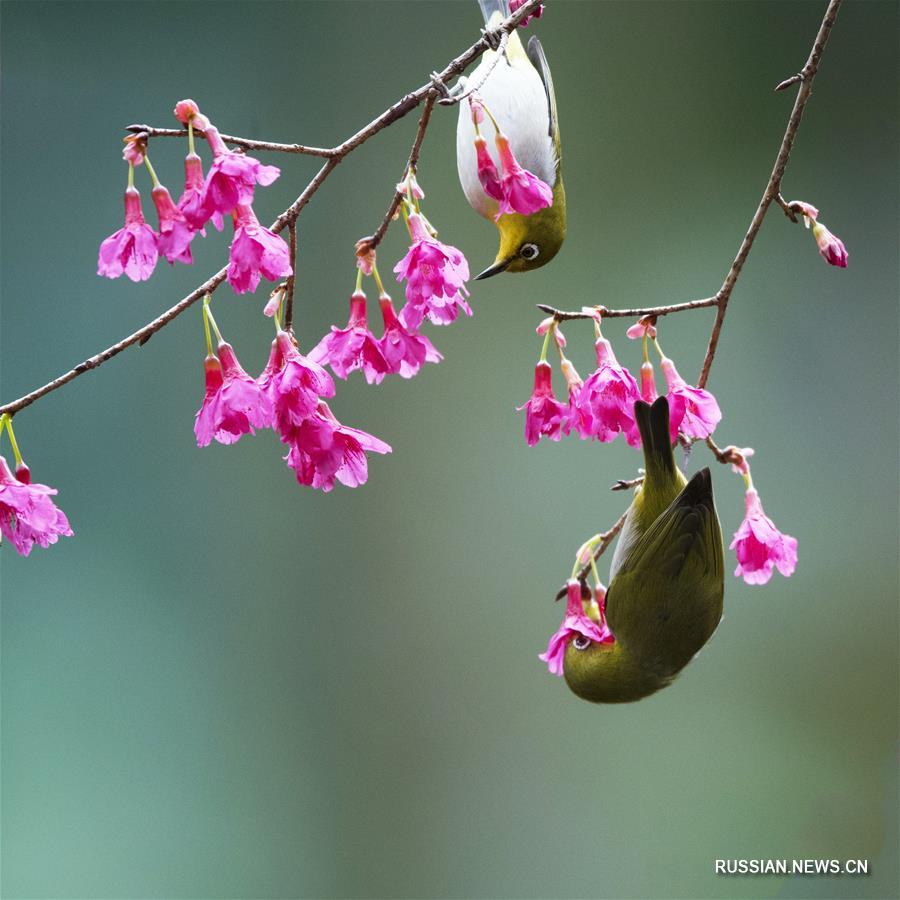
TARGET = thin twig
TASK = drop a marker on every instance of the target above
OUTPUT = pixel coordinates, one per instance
(623, 485)
(334, 156)
(605, 540)
(246, 143)
(562, 315)
(477, 85)
(289, 284)
(807, 73)
(374, 240)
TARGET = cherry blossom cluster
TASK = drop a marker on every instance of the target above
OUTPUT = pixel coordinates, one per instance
(290, 395)
(601, 406)
(28, 515)
(227, 189)
(515, 189)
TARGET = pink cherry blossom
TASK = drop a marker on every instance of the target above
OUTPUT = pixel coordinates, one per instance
(134, 151)
(515, 4)
(435, 276)
(575, 622)
(640, 329)
(232, 176)
(604, 407)
(487, 171)
(255, 251)
(132, 249)
(294, 385)
(760, 547)
(521, 191)
(234, 403)
(410, 187)
(544, 414)
(695, 409)
(186, 111)
(648, 383)
(831, 247)
(175, 234)
(405, 350)
(323, 450)
(353, 347)
(191, 201)
(27, 514)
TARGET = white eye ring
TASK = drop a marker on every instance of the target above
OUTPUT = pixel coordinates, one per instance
(580, 642)
(530, 251)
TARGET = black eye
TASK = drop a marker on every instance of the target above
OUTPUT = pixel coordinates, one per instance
(530, 251)
(581, 642)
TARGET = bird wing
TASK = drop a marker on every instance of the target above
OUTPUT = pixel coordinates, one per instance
(686, 533)
(539, 60)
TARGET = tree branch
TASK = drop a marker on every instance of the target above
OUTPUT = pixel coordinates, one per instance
(246, 143)
(807, 74)
(374, 240)
(563, 315)
(334, 156)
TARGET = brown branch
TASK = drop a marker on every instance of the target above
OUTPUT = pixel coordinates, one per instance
(289, 216)
(371, 242)
(477, 86)
(564, 316)
(807, 74)
(605, 540)
(246, 143)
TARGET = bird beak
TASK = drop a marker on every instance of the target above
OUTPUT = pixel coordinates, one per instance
(498, 266)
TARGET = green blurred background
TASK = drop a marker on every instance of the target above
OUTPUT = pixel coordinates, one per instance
(227, 685)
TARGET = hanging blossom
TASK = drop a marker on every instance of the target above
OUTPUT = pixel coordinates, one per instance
(694, 411)
(405, 351)
(233, 405)
(576, 622)
(604, 407)
(255, 251)
(830, 246)
(324, 451)
(232, 177)
(521, 191)
(191, 201)
(133, 248)
(175, 233)
(759, 546)
(294, 384)
(435, 275)
(27, 514)
(353, 347)
(545, 416)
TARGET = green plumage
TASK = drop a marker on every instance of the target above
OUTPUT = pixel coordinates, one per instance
(667, 582)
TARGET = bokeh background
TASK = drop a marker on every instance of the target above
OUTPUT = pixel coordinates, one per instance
(227, 685)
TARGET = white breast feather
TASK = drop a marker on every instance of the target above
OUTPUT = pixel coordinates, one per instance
(515, 95)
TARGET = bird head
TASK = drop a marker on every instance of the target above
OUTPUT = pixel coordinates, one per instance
(606, 673)
(529, 242)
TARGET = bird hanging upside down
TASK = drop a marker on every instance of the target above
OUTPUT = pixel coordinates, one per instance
(514, 179)
(666, 579)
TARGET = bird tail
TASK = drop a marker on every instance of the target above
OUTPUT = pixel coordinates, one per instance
(653, 424)
(489, 7)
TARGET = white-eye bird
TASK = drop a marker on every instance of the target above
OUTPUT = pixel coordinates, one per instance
(667, 579)
(518, 95)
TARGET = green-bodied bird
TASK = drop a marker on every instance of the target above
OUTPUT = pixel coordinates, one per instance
(518, 94)
(666, 580)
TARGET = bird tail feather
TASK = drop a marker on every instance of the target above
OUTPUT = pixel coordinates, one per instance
(653, 424)
(489, 7)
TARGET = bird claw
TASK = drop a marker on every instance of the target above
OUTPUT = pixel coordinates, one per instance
(492, 38)
(438, 84)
